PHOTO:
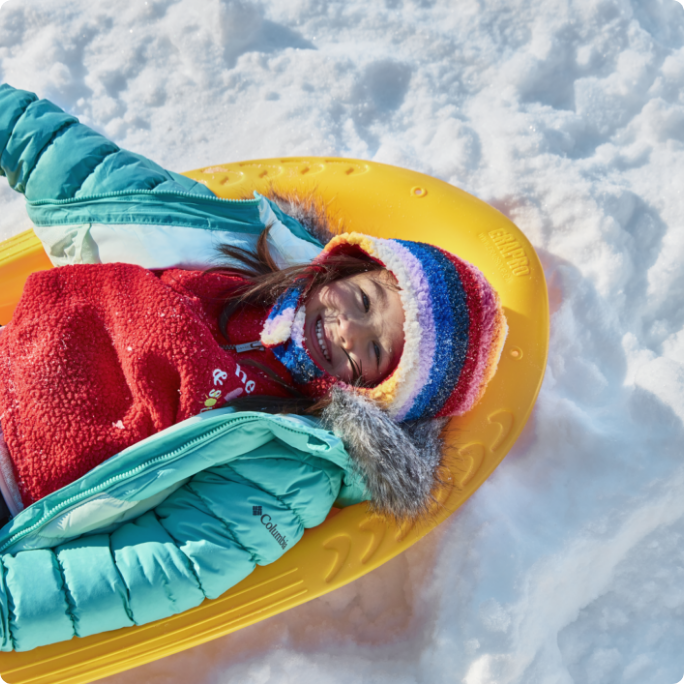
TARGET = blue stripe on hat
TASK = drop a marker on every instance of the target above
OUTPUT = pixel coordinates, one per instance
(452, 324)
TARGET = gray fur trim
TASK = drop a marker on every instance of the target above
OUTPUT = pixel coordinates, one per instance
(309, 211)
(400, 462)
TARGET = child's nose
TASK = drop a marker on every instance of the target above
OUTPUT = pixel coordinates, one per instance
(351, 333)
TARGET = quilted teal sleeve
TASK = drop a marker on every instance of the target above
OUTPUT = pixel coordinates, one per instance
(202, 540)
(48, 155)
(92, 202)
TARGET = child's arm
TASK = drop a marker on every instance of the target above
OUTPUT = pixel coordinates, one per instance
(48, 155)
(201, 541)
(92, 202)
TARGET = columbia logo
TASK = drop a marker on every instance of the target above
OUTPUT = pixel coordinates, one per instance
(256, 510)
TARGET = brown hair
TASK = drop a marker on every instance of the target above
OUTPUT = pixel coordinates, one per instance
(263, 282)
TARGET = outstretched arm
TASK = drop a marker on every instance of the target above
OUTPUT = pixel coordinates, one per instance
(48, 155)
(88, 199)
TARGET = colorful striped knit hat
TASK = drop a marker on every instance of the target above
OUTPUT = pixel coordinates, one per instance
(454, 328)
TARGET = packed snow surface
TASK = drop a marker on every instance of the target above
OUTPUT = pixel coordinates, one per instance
(567, 115)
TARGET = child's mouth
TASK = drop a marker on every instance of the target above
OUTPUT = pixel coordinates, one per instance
(321, 340)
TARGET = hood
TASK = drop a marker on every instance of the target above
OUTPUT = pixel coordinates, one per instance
(399, 461)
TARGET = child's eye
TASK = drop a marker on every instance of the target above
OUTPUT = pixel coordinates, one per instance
(376, 348)
(366, 301)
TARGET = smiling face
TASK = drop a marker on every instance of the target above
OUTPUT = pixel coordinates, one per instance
(356, 322)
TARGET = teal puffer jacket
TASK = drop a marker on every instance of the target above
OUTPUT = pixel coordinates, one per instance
(177, 518)
(91, 201)
(190, 511)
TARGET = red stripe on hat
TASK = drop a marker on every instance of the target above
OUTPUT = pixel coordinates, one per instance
(462, 396)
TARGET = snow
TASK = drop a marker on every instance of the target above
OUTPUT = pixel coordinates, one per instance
(568, 116)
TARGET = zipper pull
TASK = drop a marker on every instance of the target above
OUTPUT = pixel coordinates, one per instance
(246, 346)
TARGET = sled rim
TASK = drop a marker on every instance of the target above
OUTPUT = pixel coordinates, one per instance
(389, 202)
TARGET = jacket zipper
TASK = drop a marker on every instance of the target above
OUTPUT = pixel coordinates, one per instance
(143, 191)
(116, 478)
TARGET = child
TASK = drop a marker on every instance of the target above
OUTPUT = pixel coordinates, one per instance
(378, 338)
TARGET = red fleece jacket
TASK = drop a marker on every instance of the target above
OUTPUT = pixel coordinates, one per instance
(99, 357)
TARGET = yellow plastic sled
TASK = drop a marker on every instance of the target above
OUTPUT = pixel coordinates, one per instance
(370, 198)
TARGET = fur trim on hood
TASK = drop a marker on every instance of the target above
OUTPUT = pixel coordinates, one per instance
(400, 462)
(309, 211)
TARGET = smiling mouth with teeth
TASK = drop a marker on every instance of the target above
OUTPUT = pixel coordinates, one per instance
(321, 340)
